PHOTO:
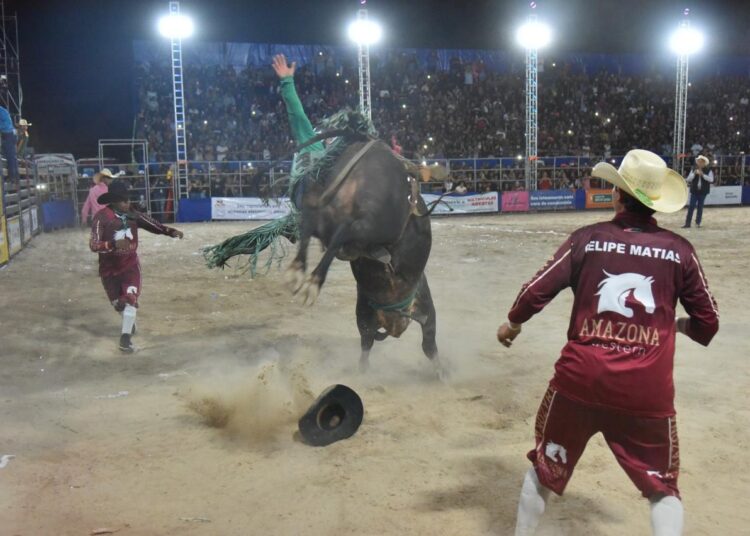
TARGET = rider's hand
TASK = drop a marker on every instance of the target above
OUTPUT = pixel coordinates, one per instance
(507, 332)
(282, 69)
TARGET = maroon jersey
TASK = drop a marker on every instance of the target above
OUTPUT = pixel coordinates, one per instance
(108, 226)
(627, 275)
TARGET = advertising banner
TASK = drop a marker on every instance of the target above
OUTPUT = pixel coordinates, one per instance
(464, 204)
(552, 200)
(3, 243)
(26, 224)
(248, 208)
(724, 195)
(14, 235)
(596, 198)
(515, 201)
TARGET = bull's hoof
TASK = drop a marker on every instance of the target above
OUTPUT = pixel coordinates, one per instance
(310, 290)
(441, 372)
(295, 277)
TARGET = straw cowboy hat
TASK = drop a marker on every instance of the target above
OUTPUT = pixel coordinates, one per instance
(705, 159)
(107, 173)
(645, 176)
(23, 123)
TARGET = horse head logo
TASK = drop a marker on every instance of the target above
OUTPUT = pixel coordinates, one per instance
(615, 289)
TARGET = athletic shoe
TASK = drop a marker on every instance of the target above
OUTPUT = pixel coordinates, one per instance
(125, 345)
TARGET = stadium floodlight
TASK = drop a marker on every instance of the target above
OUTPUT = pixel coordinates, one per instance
(365, 32)
(534, 35)
(686, 40)
(176, 26)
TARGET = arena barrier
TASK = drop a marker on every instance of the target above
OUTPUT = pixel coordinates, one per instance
(19, 212)
(255, 208)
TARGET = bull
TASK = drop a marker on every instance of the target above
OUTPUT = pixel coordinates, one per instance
(365, 209)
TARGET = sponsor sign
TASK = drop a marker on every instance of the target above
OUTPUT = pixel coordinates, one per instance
(515, 201)
(599, 198)
(464, 204)
(724, 195)
(248, 208)
(26, 224)
(3, 242)
(552, 199)
(14, 235)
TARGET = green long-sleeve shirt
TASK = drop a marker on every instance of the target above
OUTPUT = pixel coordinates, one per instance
(302, 129)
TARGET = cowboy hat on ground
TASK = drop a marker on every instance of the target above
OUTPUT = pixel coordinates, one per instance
(335, 415)
(646, 177)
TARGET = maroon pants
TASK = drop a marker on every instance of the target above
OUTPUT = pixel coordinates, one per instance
(124, 288)
(646, 448)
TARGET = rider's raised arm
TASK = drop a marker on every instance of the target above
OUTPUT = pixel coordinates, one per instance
(302, 129)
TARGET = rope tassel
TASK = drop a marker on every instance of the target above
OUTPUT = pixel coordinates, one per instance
(253, 242)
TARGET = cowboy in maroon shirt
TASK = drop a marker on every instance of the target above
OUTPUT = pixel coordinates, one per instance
(114, 236)
(615, 373)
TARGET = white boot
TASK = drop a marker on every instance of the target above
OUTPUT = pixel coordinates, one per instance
(531, 504)
(666, 516)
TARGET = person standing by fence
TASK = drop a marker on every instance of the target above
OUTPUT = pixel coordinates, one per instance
(700, 185)
(91, 206)
(8, 138)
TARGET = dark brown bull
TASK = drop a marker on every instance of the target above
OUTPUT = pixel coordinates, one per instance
(367, 211)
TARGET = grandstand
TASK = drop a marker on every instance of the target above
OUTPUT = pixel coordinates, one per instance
(461, 107)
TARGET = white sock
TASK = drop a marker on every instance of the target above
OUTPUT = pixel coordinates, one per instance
(666, 516)
(128, 319)
(531, 504)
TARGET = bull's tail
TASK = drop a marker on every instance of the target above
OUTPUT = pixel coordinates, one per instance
(253, 242)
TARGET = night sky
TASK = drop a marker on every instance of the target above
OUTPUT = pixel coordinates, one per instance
(76, 55)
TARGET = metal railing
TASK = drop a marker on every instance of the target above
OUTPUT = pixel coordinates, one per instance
(257, 179)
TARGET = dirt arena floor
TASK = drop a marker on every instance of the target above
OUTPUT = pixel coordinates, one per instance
(194, 434)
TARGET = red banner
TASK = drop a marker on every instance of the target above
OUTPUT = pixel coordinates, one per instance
(515, 202)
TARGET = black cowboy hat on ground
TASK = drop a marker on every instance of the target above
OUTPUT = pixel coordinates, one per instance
(335, 415)
(118, 191)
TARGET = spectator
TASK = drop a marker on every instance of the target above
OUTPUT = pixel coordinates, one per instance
(22, 130)
(700, 186)
(8, 139)
(91, 206)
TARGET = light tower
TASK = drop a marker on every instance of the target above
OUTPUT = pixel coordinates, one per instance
(176, 26)
(684, 41)
(364, 32)
(532, 36)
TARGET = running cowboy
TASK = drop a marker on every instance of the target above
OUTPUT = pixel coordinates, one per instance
(114, 236)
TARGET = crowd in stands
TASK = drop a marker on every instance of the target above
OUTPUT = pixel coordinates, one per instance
(464, 112)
